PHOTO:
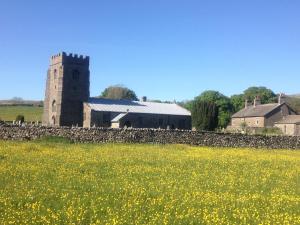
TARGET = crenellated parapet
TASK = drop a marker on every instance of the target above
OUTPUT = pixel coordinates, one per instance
(65, 58)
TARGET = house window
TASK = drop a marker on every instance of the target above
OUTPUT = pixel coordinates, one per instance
(257, 122)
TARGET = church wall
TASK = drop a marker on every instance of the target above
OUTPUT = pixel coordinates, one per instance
(139, 120)
(86, 115)
(102, 119)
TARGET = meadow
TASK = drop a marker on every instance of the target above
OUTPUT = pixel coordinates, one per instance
(31, 113)
(56, 182)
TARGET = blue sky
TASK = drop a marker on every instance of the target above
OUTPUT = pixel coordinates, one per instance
(164, 49)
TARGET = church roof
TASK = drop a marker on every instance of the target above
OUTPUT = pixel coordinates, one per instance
(118, 117)
(127, 106)
(257, 111)
(290, 119)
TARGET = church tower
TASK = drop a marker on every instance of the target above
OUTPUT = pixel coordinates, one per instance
(67, 87)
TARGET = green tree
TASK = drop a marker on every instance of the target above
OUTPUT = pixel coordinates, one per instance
(223, 103)
(119, 92)
(205, 115)
(187, 104)
(238, 102)
(266, 95)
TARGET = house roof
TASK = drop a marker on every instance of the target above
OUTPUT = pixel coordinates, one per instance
(290, 119)
(257, 111)
(127, 106)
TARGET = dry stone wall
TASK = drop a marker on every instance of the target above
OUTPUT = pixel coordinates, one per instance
(103, 135)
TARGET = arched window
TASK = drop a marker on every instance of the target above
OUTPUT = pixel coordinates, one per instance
(55, 73)
(75, 75)
(54, 106)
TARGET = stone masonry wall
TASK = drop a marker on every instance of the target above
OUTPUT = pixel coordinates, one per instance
(103, 135)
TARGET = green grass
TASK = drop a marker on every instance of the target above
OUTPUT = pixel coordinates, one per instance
(56, 182)
(31, 113)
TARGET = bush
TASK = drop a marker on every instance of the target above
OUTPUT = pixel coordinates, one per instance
(204, 115)
(223, 104)
(20, 118)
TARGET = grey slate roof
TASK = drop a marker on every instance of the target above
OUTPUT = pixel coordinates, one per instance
(290, 119)
(127, 106)
(258, 111)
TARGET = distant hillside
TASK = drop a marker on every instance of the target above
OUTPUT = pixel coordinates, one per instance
(17, 102)
(31, 113)
(295, 96)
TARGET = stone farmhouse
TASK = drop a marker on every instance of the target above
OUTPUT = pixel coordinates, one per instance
(68, 103)
(289, 125)
(258, 116)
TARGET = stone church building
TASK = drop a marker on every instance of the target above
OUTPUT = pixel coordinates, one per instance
(68, 103)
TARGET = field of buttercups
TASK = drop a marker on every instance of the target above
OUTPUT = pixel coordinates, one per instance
(56, 182)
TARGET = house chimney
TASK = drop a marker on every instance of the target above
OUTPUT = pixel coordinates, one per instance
(247, 103)
(144, 99)
(281, 98)
(256, 101)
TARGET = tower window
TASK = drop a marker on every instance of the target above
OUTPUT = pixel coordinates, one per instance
(54, 106)
(55, 73)
(75, 75)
